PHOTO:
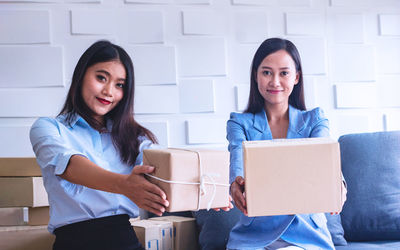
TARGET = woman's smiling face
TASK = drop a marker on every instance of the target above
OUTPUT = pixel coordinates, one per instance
(276, 77)
(103, 87)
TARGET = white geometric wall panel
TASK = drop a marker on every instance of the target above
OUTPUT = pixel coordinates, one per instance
(206, 130)
(193, 1)
(148, 1)
(160, 130)
(313, 54)
(143, 27)
(33, 102)
(83, 1)
(153, 64)
(348, 28)
(366, 95)
(389, 25)
(196, 95)
(93, 22)
(253, 2)
(310, 92)
(392, 121)
(15, 141)
(156, 99)
(242, 56)
(349, 3)
(305, 24)
(389, 95)
(24, 27)
(31, 66)
(360, 68)
(242, 96)
(349, 123)
(250, 26)
(388, 56)
(202, 22)
(201, 56)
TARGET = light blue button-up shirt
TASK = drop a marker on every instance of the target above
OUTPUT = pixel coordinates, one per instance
(54, 141)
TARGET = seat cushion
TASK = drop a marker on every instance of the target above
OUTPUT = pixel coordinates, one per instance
(371, 167)
(370, 245)
(214, 227)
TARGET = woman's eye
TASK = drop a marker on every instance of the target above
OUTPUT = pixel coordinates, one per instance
(266, 72)
(101, 78)
(120, 85)
(285, 73)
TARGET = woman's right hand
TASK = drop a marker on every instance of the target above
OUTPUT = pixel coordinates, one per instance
(143, 193)
(237, 192)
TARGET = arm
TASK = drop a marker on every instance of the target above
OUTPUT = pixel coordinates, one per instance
(52, 152)
(146, 195)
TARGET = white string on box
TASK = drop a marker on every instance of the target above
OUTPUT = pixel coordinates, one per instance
(201, 183)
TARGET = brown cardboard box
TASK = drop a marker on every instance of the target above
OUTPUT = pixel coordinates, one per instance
(185, 232)
(292, 176)
(18, 216)
(180, 165)
(25, 166)
(154, 235)
(22, 192)
(26, 237)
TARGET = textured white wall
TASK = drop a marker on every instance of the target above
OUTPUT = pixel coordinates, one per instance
(192, 60)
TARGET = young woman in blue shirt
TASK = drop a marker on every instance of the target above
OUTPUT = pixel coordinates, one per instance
(91, 155)
(276, 109)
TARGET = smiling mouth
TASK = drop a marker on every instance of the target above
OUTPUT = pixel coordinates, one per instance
(274, 91)
(103, 101)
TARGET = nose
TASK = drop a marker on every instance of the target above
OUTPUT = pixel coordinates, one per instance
(275, 80)
(107, 89)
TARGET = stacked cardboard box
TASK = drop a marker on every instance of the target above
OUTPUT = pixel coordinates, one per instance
(24, 207)
(185, 231)
(154, 235)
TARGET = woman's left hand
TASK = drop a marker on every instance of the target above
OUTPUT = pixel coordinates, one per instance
(226, 209)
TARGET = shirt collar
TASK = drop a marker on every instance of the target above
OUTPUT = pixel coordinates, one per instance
(296, 120)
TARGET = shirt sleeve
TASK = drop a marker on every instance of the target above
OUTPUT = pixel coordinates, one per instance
(321, 126)
(49, 146)
(235, 135)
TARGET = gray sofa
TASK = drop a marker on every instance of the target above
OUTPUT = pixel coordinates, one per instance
(371, 215)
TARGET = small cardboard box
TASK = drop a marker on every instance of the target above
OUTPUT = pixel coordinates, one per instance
(154, 235)
(22, 192)
(26, 237)
(185, 231)
(18, 216)
(182, 173)
(23, 166)
(292, 176)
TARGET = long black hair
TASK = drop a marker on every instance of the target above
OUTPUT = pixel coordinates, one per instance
(125, 130)
(269, 46)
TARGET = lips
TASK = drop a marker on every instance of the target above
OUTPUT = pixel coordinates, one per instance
(273, 91)
(103, 101)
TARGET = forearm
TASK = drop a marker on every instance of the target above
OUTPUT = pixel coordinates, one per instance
(82, 171)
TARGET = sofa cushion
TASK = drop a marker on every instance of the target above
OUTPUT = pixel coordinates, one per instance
(371, 167)
(214, 227)
(335, 228)
(371, 245)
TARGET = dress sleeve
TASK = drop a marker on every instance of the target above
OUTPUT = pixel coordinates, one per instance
(321, 125)
(49, 146)
(145, 143)
(235, 135)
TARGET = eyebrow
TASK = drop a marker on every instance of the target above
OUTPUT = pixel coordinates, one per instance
(266, 67)
(108, 74)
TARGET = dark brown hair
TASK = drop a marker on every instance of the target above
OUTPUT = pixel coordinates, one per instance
(125, 130)
(269, 46)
